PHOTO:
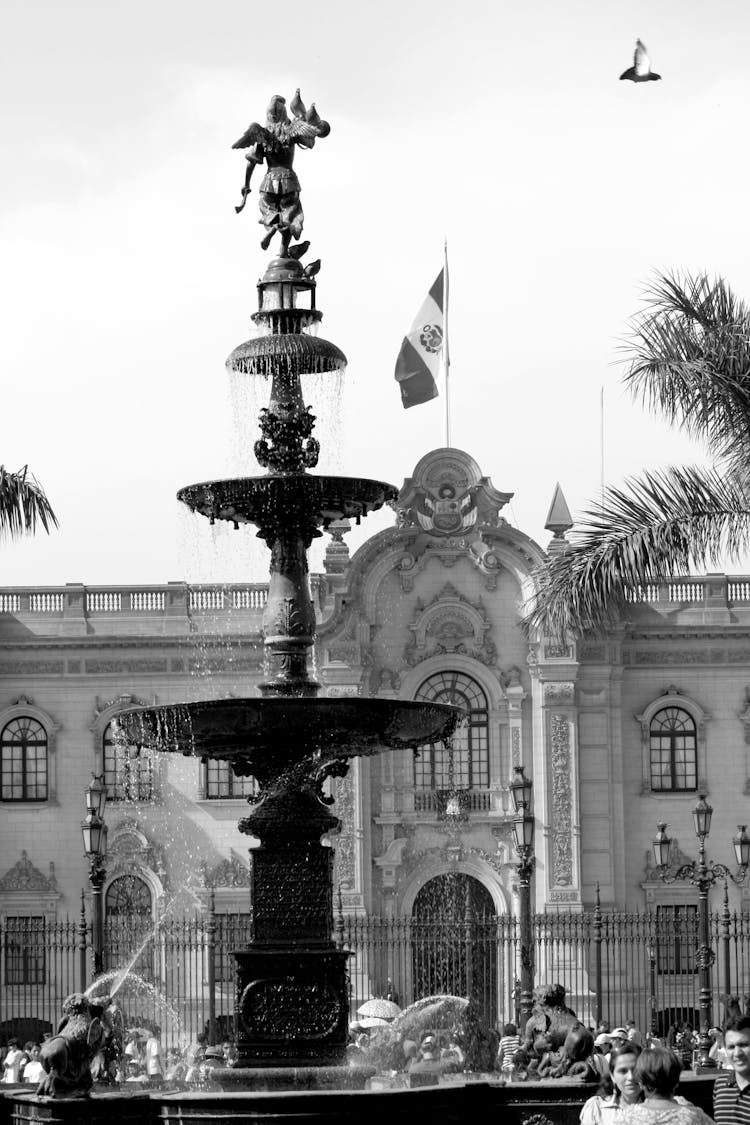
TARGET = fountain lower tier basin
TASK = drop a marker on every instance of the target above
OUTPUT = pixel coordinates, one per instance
(275, 502)
(258, 730)
(459, 1101)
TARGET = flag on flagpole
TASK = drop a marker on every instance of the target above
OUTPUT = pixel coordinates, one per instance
(419, 359)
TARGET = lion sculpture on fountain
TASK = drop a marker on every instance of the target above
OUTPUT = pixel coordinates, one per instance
(560, 1030)
(550, 1015)
(67, 1056)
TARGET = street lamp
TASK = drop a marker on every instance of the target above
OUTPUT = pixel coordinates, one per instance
(702, 875)
(94, 832)
(523, 831)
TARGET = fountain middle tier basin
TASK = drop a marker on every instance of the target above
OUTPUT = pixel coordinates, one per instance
(259, 730)
(287, 500)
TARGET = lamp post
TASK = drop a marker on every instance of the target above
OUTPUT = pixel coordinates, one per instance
(702, 875)
(94, 832)
(523, 829)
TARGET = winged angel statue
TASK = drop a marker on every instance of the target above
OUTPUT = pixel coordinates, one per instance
(275, 143)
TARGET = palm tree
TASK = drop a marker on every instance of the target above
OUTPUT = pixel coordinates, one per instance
(23, 504)
(688, 359)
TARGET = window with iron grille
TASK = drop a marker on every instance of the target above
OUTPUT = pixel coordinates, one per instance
(674, 750)
(25, 950)
(23, 760)
(463, 763)
(128, 770)
(676, 939)
(221, 783)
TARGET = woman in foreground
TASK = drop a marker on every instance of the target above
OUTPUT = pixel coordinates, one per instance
(658, 1072)
(618, 1088)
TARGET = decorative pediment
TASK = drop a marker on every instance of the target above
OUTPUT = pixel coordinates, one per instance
(677, 859)
(231, 872)
(23, 876)
(450, 623)
(104, 712)
(129, 847)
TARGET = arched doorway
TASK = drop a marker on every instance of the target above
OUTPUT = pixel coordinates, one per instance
(129, 925)
(454, 942)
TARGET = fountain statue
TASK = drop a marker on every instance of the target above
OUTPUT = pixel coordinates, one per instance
(291, 1004)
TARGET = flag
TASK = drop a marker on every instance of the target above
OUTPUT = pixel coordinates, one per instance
(419, 358)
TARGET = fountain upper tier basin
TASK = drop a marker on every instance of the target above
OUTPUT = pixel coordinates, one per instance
(258, 732)
(287, 500)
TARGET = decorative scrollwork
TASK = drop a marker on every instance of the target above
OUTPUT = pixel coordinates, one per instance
(286, 445)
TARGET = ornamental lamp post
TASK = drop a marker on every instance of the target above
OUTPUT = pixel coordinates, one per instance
(702, 875)
(523, 831)
(94, 832)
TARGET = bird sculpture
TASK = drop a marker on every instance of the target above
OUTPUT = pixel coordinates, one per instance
(641, 70)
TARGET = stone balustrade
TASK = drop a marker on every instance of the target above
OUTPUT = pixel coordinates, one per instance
(173, 607)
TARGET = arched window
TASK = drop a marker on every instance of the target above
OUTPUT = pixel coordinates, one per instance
(129, 917)
(464, 763)
(674, 750)
(23, 756)
(128, 771)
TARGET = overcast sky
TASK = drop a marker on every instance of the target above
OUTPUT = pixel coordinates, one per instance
(126, 278)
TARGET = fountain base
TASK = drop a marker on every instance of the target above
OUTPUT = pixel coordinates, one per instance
(291, 1007)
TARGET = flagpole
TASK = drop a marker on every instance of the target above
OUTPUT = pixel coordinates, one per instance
(446, 349)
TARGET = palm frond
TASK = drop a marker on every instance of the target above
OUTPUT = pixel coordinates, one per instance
(23, 504)
(661, 524)
(688, 357)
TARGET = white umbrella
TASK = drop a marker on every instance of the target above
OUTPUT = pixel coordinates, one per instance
(373, 1021)
(383, 1009)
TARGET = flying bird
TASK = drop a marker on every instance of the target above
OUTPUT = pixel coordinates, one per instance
(641, 70)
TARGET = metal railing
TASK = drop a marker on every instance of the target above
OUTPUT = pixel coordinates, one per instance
(181, 974)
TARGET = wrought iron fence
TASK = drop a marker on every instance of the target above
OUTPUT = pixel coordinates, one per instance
(180, 973)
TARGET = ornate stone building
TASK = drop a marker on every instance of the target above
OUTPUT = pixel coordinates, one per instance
(617, 733)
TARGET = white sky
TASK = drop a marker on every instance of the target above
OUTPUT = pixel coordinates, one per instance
(126, 278)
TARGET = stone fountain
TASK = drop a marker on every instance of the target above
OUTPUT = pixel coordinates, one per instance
(291, 1006)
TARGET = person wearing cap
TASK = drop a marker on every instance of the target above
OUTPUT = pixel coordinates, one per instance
(618, 1036)
(600, 1057)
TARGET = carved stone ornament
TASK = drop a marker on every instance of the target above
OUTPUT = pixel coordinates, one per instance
(450, 623)
(232, 872)
(562, 799)
(448, 496)
(344, 842)
(559, 693)
(23, 876)
(129, 847)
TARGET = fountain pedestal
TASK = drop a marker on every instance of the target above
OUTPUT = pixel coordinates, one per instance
(291, 1006)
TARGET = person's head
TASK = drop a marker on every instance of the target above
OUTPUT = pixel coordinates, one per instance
(510, 1029)
(629, 1024)
(428, 1048)
(620, 1080)
(35, 1050)
(737, 1044)
(12, 1043)
(658, 1072)
(603, 1044)
(603, 1027)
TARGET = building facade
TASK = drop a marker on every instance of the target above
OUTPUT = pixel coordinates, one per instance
(617, 733)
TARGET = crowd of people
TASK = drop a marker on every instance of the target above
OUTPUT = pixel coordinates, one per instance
(639, 1081)
(21, 1064)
